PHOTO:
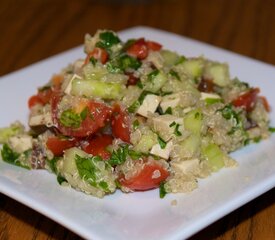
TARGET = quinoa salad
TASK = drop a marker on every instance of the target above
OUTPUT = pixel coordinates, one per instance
(135, 116)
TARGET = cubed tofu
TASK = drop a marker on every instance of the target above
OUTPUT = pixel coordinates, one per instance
(149, 105)
(21, 143)
(188, 167)
(163, 153)
(41, 119)
(165, 125)
(209, 95)
(171, 100)
(69, 86)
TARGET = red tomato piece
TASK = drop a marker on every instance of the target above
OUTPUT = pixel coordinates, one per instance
(97, 117)
(247, 100)
(99, 54)
(97, 146)
(132, 80)
(150, 177)
(33, 100)
(153, 45)
(138, 49)
(58, 145)
(45, 95)
(121, 124)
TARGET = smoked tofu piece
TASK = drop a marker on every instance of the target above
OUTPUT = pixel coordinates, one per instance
(149, 105)
(41, 119)
(188, 167)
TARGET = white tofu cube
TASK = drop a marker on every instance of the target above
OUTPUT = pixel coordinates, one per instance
(163, 153)
(188, 167)
(165, 125)
(209, 95)
(149, 105)
(21, 143)
(172, 101)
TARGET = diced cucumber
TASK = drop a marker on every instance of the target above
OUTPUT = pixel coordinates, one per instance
(92, 72)
(219, 73)
(69, 165)
(193, 67)
(170, 58)
(96, 89)
(190, 146)
(155, 83)
(146, 142)
(215, 156)
(193, 121)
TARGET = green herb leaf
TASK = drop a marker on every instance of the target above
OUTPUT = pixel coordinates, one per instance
(60, 179)
(93, 61)
(174, 74)
(11, 157)
(161, 142)
(139, 84)
(123, 62)
(108, 39)
(172, 124)
(168, 111)
(162, 191)
(182, 59)
(52, 164)
(271, 129)
(152, 75)
(70, 119)
(104, 186)
(119, 156)
(134, 155)
(176, 131)
(135, 124)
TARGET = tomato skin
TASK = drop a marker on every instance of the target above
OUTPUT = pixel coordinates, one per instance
(265, 103)
(247, 100)
(144, 181)
(58, 145)
(153, 45)
(33, 100)
(121, 124)
(99, 114)
(97, 146)
(132, 80)
(138, 49)
(99, 54)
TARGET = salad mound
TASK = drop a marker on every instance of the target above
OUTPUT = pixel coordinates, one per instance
(134, 116)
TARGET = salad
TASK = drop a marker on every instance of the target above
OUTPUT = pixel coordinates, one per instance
(134, 116)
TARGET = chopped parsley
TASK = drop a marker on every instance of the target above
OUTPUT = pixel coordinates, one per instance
(60, 179)
(122, 63)
(135, 124)
(172, 124)
(90, 170)
(162, 191)
(152, 75)
(136, 104)
(271, 129)
(174, 74)
(161, 142)
(12, 157)
(139, 84)
(176, 131)
(107, 40)
(168, 111)
(119, 156)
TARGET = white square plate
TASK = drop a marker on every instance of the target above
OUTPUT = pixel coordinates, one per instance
(140, 215)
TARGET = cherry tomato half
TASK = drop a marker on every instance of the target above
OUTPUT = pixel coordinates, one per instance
(97, 146)
(121, 124)
(247, 100)
(58, 145)
(150, 177)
